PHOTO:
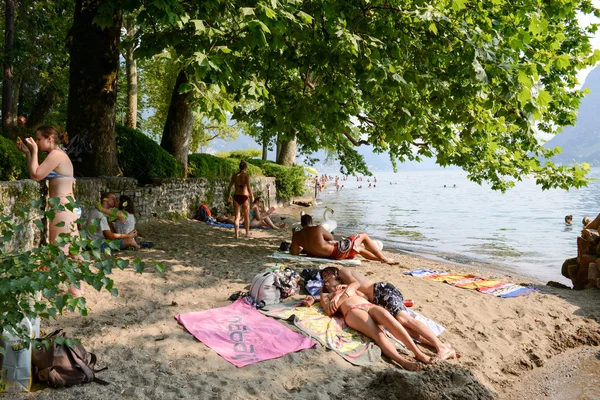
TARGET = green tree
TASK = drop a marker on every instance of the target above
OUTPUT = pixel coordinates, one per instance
(468, 84)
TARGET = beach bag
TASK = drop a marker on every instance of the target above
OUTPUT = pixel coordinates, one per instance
(263, 289)
(286, 280)
(63, 364)
(15, 371)
(203, 213)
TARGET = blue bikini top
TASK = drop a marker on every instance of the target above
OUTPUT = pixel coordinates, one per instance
(56, 175)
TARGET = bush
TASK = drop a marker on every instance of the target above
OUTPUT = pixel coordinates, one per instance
(142, 158)
(289, 180)
(243, 154)
(24, 275)
(208, 166)
(13, 164)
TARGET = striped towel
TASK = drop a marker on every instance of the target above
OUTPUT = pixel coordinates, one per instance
(493, 287)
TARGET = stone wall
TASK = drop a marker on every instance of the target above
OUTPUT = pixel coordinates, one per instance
(167, 198)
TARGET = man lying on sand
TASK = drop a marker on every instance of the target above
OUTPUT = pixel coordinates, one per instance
(317, 242)
(365, 317)
(386, 295)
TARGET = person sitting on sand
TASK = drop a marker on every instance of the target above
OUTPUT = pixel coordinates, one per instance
(260, 217)
(124, 224)
(318, 242)
(366, 318)
(243, 192)
(109, 201)
(386, 295)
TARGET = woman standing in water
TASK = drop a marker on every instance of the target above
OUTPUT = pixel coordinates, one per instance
(57, 168)
(242, 192)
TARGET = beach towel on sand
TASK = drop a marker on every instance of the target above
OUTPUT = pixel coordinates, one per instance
(331, 332)
(226, 225)
(335, 334)
(242, 335)
(493, 287)
(287, 256)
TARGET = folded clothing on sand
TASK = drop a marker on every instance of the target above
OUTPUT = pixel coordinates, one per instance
(242, 335)
(493, 287)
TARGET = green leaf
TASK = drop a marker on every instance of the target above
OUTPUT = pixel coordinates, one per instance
(524, 95)
(562, 61)
(246, 11)
(543, 98)
(307, 19)
(433, 28)
(458, 5)
(524, 79)
(198, 25)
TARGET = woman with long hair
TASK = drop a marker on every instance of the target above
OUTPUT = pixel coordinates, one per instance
(57, 169)
(262, 217)
(125, 223)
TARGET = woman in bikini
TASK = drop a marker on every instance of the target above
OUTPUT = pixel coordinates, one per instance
(241, 180)
(57, 168)
(366, 318)
(261, 217)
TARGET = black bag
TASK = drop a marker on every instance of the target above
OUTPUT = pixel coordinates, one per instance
(285, 246)
(65, 364)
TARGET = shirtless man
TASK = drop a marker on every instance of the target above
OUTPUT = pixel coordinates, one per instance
(387, 296)
(317, 242)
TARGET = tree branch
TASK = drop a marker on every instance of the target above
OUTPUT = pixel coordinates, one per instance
(354, 141)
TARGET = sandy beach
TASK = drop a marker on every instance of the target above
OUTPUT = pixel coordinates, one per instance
(508, 347)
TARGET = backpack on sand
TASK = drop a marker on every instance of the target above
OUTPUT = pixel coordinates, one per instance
(60, 364)
(203, 213)
(263, 289)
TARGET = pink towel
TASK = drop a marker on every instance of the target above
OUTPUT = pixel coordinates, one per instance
(242, 335)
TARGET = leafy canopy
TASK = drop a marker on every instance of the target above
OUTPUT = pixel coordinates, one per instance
(469, 83)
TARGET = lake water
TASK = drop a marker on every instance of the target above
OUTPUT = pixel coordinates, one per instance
(521, 231)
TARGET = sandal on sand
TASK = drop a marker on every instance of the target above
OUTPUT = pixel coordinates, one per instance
(146, 245)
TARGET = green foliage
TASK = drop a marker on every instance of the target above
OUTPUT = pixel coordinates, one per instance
(242, 154)
(289, 180)
(13, 164)
(209, 166)
(47, 270)
(157, 80)
(142, 158)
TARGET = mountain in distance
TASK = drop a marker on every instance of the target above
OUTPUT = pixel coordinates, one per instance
(581, 143)
(375, 162)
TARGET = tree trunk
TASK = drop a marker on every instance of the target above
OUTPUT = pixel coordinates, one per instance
(277, 147)
(178, 127)
(131, 68)
(265, 149)
(93, 92)
(287, 152)
(7, 86)
(42, 107)
(14, 107)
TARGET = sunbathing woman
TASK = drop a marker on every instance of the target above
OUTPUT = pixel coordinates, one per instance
(260, 217)
(241, 180)
(366, 317)
(57, 168)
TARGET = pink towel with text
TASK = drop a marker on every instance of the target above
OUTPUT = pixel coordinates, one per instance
(242, 335)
